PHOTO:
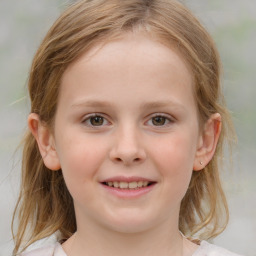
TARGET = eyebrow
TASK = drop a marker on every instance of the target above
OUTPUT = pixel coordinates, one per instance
(92, 103)
(146, 105)
(161, 103)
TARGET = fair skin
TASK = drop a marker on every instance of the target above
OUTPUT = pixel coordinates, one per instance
(126, 116)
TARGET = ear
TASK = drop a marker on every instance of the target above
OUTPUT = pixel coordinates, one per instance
(207, 142)
(45, 141)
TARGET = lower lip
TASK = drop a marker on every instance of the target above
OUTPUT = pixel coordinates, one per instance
(129, 193)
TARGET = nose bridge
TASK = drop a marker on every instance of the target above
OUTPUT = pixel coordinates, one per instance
(128, 147)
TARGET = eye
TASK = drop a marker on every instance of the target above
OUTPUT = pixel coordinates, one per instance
(95, 120)
(160, 120)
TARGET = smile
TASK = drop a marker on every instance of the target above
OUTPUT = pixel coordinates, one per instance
(128, 185)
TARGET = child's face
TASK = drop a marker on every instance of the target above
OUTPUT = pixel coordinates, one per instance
(126, 113)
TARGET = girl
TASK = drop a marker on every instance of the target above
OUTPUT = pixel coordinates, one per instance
(127, 127)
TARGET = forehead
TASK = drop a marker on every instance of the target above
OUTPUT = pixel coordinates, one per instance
(134, 63)
(145, 46)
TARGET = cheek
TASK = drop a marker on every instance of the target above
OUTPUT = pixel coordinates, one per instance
(174, 158)
(176, 151)
(80, 161)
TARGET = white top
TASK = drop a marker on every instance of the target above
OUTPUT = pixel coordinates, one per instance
(205, 249)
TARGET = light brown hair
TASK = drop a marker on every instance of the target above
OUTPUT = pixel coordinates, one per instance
(45, 205)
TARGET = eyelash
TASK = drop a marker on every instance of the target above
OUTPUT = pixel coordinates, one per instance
(167, 120)
(88, 120)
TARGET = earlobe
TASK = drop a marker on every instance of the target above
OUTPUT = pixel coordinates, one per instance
(207, 142)
(45, 142)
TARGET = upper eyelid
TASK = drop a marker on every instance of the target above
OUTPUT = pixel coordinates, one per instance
(170, 120)
(167, 116)
(88, 116)
(85, 117)
(160, 114)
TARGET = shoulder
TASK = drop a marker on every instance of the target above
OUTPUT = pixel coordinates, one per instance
(207, 249)
(51, 250)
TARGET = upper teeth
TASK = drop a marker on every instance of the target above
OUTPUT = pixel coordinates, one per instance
(123, 184)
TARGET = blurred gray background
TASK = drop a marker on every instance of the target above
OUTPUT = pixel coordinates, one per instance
(23, 23)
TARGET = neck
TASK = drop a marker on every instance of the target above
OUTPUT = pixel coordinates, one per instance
(163, 240)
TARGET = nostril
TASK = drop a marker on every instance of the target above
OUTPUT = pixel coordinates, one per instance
(118, 159)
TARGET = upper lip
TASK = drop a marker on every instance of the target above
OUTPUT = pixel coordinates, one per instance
(127, 179)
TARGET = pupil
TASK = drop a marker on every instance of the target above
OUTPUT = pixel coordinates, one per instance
(96, 120)
(158, 120)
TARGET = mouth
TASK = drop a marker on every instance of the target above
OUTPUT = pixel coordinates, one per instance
(133, 185)
(128, 187)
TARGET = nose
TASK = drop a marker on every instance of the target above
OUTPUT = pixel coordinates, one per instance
(127, 148)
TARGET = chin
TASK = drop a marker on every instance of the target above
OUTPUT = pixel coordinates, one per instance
(130, 228)
(131, 222)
